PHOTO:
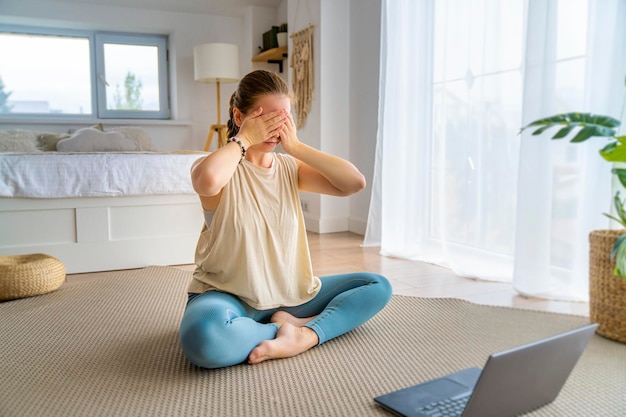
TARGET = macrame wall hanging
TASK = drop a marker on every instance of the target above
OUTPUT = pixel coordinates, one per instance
(302, 65)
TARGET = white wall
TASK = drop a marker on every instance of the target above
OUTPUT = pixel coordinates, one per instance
(299, 19)
(343, 118)
(334, 90)
(363, 119)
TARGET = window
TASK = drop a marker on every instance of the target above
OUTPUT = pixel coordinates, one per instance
(62, 73)
(454, 183)
(479, 53)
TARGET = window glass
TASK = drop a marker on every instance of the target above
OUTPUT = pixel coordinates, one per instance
(45, 74)
(478, 59)
(571, 28)
(132, 76)
(477, 98)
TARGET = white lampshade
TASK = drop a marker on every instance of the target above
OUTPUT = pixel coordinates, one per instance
(213, 62)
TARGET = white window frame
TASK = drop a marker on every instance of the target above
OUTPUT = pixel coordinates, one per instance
(131, 39)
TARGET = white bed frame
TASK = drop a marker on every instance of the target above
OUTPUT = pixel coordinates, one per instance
(103, 233)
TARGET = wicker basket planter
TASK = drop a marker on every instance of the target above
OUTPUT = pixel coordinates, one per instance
(607, 292)
(28, 275)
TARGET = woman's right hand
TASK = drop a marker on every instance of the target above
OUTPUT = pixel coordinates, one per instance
(258, 127)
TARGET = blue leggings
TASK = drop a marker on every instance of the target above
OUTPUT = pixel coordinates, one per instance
(219, 330)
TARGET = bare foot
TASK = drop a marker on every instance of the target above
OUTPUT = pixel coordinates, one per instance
(290, 341)
(281, 317)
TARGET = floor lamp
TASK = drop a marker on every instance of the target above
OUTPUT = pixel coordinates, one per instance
(216, 63)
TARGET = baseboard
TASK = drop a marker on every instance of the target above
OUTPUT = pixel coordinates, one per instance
(311, 224)
(357, 226)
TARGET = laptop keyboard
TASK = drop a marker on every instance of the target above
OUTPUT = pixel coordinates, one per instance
(446, 408)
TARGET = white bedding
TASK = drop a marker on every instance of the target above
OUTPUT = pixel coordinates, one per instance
(64, 175)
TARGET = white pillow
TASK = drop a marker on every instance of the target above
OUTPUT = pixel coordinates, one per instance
(18, 140)
(94, 140)
(143, 141)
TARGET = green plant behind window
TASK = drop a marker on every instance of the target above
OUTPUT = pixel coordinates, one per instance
(130, 99)
(4, 98)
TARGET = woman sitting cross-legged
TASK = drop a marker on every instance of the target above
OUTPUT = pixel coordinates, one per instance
(253, 295)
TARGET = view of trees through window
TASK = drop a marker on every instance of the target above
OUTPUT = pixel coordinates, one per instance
(128, 98)
(5, 107)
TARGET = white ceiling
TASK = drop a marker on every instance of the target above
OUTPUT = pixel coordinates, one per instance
(218, 7)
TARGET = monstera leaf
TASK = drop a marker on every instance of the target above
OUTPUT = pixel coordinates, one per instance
(620, 173)
(615, 151)
(588, 125)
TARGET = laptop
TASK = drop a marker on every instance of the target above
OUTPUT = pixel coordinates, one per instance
(512, 382)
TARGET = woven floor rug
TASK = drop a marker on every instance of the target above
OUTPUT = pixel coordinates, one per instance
(109, 347)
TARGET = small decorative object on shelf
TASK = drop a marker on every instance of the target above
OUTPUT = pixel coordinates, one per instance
(269, 39)
(281, 36)
(282, 39)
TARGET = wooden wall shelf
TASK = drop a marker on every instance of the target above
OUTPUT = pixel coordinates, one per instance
(273, 56)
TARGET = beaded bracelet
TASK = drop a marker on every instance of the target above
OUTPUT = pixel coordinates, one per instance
(240, 143)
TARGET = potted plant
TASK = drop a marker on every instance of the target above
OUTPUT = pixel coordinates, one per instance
(607, 248)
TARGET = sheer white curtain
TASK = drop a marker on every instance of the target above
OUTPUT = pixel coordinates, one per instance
(454, 183)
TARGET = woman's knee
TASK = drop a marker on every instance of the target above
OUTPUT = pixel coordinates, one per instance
(198, 343)
(195, 342)
(382, 285)
(205, 334)
(210, 345)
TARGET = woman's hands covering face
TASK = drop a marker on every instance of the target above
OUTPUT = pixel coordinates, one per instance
(288, 138)
(258, 127)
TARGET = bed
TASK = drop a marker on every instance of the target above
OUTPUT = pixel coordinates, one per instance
(99, 211)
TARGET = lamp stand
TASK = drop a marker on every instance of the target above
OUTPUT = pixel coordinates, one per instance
(222, 130)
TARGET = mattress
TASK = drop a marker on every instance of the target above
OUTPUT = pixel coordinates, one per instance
(106, 174)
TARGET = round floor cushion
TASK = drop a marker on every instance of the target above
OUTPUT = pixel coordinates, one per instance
(28, 275)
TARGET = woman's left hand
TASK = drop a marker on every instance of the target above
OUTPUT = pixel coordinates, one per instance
(288, 138)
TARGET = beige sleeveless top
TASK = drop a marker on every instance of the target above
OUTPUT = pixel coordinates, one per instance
(256, 246)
